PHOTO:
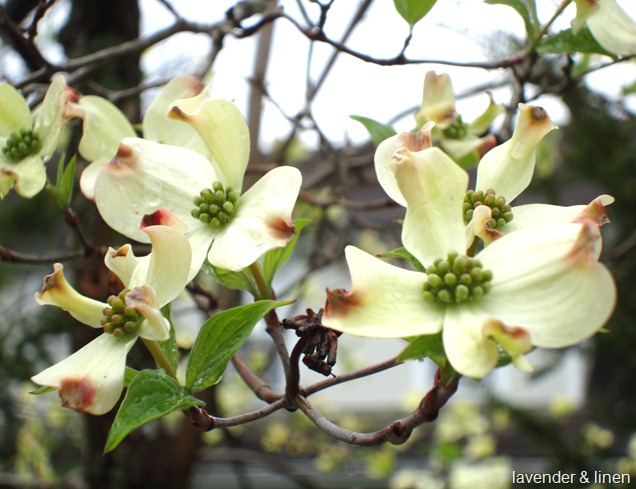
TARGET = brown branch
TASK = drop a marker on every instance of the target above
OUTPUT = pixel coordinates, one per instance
(397, 432)
(203, 421)
(10, 256)
(318, 35)
(13, 34)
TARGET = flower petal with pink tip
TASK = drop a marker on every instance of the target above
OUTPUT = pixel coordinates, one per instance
(92, 379)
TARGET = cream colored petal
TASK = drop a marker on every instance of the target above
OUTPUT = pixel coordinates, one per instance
(168, 266)
(532, 215)
(384, 301)
(613, 28)
(469, 350)
(385, 165)
(155, 327)
(438, 100)
(89, 176)
(7, 180)
(434, 187)
(508, 168)
(459, 148)
(14, 111)
(145, 176)
(516, 342)
(547, 280)
(122, 262)
(29, 174)
(224, 131)
(92, 379)
(483, 122)
(584, 8)
(49, 116)
(263, 221)
(199, 238)
(479, 226)
(104, 126)
(56, 291)
(156, 125)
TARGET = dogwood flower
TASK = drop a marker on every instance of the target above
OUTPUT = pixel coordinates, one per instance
(502, 174)
(92, 379)
(104, 127)
(456, 137)
(28, 140)
(609, 24)
(539, 286)
(152, 181)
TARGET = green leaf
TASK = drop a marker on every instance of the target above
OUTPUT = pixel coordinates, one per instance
(220, 337)
(62, 191)
(42, 390)
(129, 375)
(568, 42)
(529, 15)
(169, 346)
(378, 131)
(151, 395)
(403, 254)
(276, 258)
(413, 10)
(242, 280)
(427, 346)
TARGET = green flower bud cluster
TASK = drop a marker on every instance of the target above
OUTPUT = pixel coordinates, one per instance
(120, 319)
(501, 212)
(457, 279)
(216, 205)
(21, 144)
(457, 130)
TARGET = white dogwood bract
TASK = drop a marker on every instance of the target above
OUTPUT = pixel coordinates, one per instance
(548, 288)
(29, 139)
(156, 180)
(610, 25)
(92, 379)
(104, 126)
(456, 137)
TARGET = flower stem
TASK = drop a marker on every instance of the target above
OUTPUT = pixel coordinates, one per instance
(263, 290)
(160, 358)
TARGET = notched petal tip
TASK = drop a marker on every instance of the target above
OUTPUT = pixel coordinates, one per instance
(514, 340)
(119, 252)
(281, 229)
(77, 393)
(163, 217)
(585, 250)
(54, 280)
(480, 226)
(418, 141)
(340, 302)
(124, 161)
(595, 211)
(177, 114)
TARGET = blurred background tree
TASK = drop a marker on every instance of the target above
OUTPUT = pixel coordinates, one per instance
(102, 52)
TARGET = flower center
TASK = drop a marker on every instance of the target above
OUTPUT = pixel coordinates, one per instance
(21, 144)
(216, 205)
(120, 319)
(457, 130)
(501, 212)
(457, 279)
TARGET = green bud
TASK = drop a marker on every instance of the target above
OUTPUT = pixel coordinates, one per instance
(461, 293)
(457, 279)
(216, 205)
(450, 279)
